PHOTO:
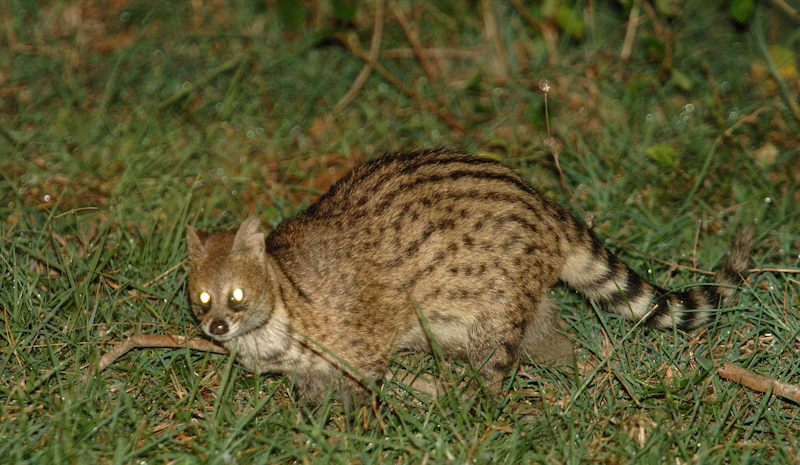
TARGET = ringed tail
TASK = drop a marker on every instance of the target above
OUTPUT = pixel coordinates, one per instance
(599, 275)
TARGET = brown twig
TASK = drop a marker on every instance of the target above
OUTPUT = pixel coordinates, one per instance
(787, 9)
(374, 49)
(630, 32)
(475, 53)
(162, 275)
(440, 113)
(752, 118)
(661, 33)
(415, 45)
(774, 270)
(139, 341)
(696, 240)
(498, 59)
(548, 32)
(786, 92)
(760, 383)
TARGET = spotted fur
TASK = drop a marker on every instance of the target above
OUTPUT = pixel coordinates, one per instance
(407, 243)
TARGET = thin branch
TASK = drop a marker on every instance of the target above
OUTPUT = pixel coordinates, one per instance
(162, 275)
(630, 32)
(774, 270)
(752, 118)
(760, 383)
(787, 9)
(786, 93)
(140, 341)
(696, 240)
(498, 59)
(548, 32)
(442, 114)
(660, 33)
(415, 45)
(203, 80)
(436, 53)
(374, 50)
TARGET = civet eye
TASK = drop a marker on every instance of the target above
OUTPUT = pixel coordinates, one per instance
(205, 297)
(237, 295)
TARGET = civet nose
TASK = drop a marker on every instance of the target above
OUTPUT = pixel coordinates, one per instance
(218, 327)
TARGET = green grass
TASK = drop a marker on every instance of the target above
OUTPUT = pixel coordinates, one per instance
(121, 124)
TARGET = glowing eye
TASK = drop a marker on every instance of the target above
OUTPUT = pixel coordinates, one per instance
(205, 297)
(238, 295)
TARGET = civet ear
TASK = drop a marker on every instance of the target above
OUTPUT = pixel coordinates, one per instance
(196, 240)
(249, 239)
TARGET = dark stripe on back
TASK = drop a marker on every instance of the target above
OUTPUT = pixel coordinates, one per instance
(440, 158)
(476, 195)
(391, 165)
(508, 178)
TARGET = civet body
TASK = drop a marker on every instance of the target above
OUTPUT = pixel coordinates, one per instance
(440, 238)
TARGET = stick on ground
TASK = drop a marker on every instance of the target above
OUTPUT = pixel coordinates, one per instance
(140, 341)
(760, 383)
